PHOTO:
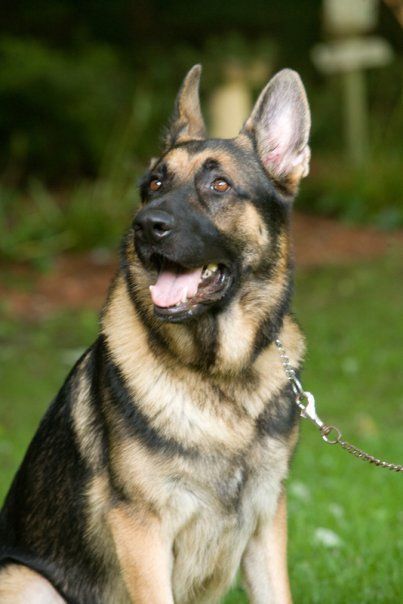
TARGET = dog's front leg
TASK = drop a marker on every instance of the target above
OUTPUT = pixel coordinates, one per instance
(144, 556)
(264, 562)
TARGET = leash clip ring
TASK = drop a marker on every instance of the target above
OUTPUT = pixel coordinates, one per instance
(327, 430)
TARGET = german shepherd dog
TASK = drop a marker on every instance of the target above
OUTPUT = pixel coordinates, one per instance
(159, 468)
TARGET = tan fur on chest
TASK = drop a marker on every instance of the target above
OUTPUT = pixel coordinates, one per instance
(208, 508)
(209, 503)
(201, 410)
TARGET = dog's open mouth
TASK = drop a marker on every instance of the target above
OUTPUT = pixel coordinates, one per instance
(181, 293)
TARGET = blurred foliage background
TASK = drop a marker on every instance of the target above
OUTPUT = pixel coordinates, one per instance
(86, 87)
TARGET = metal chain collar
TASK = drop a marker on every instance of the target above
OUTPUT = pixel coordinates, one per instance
(330, 434)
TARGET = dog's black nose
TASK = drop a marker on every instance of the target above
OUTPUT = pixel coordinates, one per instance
(153, 225)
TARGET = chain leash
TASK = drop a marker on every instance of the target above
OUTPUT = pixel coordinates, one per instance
(330, 434)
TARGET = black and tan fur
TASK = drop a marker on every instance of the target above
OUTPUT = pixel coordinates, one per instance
(158, 469)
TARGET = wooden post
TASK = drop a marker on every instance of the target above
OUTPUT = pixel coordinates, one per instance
(348, 53)
(230, 105)
(356, 115)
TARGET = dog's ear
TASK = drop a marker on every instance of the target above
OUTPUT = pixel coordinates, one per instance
(187, 120)
(280, 124)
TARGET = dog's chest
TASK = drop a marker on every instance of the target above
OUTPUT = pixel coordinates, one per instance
(213, 516)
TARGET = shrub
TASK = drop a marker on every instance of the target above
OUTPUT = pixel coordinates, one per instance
(57, 108)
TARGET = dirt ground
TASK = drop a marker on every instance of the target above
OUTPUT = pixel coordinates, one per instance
(77, 281)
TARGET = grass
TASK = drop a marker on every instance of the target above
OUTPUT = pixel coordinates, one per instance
(345, 517)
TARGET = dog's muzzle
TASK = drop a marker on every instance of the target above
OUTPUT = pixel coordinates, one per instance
(185, 253)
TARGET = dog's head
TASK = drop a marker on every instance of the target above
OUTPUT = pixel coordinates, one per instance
(212, 228)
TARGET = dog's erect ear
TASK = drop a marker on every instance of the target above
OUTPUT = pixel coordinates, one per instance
(187, 120)
(280, 124)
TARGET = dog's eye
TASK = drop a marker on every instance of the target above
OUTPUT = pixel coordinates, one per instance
(220, 185)
(154, 184)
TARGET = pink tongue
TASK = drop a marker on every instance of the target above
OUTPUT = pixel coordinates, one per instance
(172, 287)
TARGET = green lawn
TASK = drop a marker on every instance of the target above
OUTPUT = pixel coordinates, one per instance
(345, 517)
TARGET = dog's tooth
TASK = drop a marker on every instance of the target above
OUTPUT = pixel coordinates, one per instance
(209, 270)
(184, 295)
(151, 288)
